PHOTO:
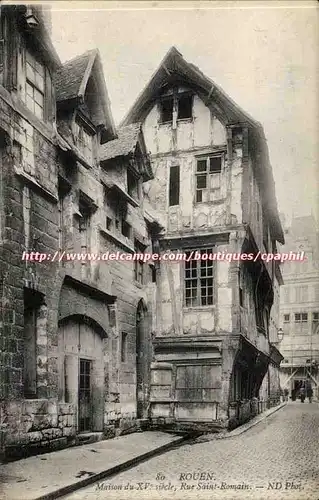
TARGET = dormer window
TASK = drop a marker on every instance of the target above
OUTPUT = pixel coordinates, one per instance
(84, 142)
(35, 85)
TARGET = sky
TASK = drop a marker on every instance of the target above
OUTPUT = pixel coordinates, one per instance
(263, 54)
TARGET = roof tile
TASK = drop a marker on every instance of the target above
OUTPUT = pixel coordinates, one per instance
(123, 145)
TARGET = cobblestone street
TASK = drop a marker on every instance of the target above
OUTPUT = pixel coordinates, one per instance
(278, 458)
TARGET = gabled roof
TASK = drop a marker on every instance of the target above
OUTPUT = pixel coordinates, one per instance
(122, 146)
(128, 140)
(71, 80)
(174, 68)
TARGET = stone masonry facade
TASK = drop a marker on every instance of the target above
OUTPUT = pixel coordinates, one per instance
(68, 329)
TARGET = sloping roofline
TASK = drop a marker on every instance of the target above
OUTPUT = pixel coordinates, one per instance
(93, 58)
(226, 109)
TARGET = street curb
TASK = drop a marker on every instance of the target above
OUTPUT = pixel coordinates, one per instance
(241, 429)
(65, 490)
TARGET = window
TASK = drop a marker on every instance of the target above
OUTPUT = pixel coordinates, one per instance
(132, 185)
(167, 109)
(126, 229)
(301, 317)
(182, 103)
(241, 297)
(84, 142)
(197, 383)
(138, 263)
(208, 178)
(123, 347)
(185, 107)
(315, 317)
(199, 281)
(109, 223)
(286, 318)
(174, 183)
(35, 85)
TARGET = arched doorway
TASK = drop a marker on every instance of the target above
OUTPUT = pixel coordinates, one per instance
(81, 348)
(142, 361)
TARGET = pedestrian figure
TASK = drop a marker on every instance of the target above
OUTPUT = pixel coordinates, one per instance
(286, 393)
(302, 393)
(309, 393)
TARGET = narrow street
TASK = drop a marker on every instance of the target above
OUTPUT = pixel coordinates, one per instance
(278, 458)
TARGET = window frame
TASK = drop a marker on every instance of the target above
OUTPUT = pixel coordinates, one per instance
(303, 318)
(81, 133)
(285, 320)
(208, 177)
(198, 301)
(35, 64)
(174, 98)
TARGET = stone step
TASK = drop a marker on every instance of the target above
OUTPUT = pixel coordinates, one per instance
(88, 437)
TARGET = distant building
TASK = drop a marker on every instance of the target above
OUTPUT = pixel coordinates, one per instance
(213, 187)
(299, 308)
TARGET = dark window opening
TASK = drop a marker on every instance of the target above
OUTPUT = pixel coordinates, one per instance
(126, 229)
(124, 347)
(185, 107)
(132, 185)
(139, 264)
(215, 164)
(167, 110)
(153, 273)
(85, 212)
(174, 185)
(109, 223)
(315, 316)
(286, 318)
(198, 281)
(241, 297)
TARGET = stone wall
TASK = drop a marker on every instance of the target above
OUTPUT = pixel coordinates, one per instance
(39, 425)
